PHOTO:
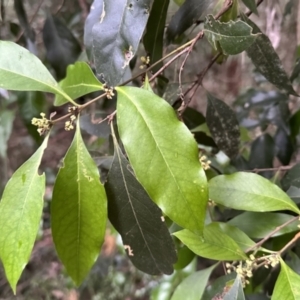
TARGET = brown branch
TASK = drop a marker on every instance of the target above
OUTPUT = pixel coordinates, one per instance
(279, 169)
(278, 228)
(295, 238)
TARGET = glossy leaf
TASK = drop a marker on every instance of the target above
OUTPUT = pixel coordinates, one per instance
(223, 126)
(139, 221)
(236, 290)
(93, 125)
(80, 80)
(262, 154)
(163, 155)
(116, 37)
(215, 244)
(153, 38)
(287, 284)
(193, 286)
(189, 12)
(21, 210)
(247, 191)
(259, 225)
(78, 211)
(284, 146)
(251, 4)
(62, 48)
(291, 177)
(23, 71)
(185, 256)
(261, 52)
(234, 37)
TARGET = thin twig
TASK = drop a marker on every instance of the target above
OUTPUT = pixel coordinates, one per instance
(295, 238)
(278, 228)
(279, 169)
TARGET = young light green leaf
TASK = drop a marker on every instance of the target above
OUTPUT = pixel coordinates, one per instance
(193, 286)
(116, 37)
(247, 191)
(78, 211)
(287, 284)
(20, 213)
(223, 125)
(80, 80)
(163, 155)
(139, 221)
(234, 37)
(187, 14)
(153, 38)
(214, 244)
(236, 291)
(261, 52)
(258, 225)
(23, 71)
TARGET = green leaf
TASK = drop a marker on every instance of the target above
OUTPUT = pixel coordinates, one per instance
(163, 155)
(251, 5)
(223, 125)
(20, 210)
(80, 80)
(153, 38)
(292, 177)
(261, 52)
(193, 285)
(236, 234)
(78, 211)
(185, 256)
(296, 71)
(138, 220)
(287, 284)
(187, 14)
(116, 37)
(247, 191)
(214, 244)
(236, 290)
(234, 37)
(259, 225)
(23, 71)
(62, 48)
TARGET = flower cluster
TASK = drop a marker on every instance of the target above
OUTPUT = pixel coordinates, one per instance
(245, 269)
(69, 125)
(204, 162)
(145, 62)
(43, 124)
(109, 92)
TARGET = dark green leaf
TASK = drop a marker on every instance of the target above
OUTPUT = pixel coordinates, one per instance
(293, 175)
(247, 191)
(185, 256)
(20, 210)
(153, 39)
(31, 104)
(251, 4)
(236, 290)
(219, 285)
(287, 284)
(193, 118)
(294, 193)
(145, 235)
(214, 244)
(223, 125)
(6, 124)
(78, 211)
(92, 125)
(295, 124)
(186, 16)
(284, 146)
(164, 156)
(193, 286)
(116, 37)
(258, 225)
(261, 52)
(262, 154)
(296, 71)
(62, 47)
(234, 37)
(23, 71)
(80, 80)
